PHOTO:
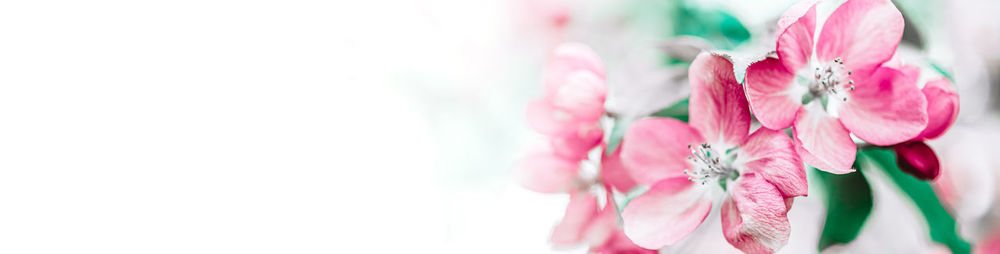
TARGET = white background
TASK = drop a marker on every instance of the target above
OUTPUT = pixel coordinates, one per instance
(241, 127)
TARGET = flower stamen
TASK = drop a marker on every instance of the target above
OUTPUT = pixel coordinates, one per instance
(707, 166)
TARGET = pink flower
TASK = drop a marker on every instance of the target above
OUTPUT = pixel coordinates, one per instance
(569, 116)
(573, 102)
(759, 173)
(849, 89)
(916, 157)
(587, 223)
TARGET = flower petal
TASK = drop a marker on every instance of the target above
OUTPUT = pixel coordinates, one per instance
(613, 173)
(582, 96)
(669, 211)
(656, 148)
(885, 109)
(822, 141)
(863, 33)
(773, 95)
(718, 107)
(576, 143)
(942, 108)
(580, 213)
(549, 120)
(754, 217)
(619, 243)
(545, 172)
(771, 155)
(795, 34)
(567, 59)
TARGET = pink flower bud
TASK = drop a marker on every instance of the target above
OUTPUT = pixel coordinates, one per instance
(917, 159)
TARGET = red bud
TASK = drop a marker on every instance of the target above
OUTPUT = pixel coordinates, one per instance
(917, 159)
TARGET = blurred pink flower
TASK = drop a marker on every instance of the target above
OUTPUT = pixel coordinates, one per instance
(573, 104)
(760, 172)
(585, 222)
(852, 90)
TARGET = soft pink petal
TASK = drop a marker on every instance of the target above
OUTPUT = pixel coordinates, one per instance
(618, 243)
(613, 173)
(771, 91)
(942, 108)
(576, 143)
(567, 59)
(822, 142)
(580, 213)
(657, 148)
(885, 109)
(582, 96)
(718, 108)
(549, 120)
(669, 211)
(754, 217)
(603, 227)
(771, 155)
(795, 34)
(544, 172)
(864, 33)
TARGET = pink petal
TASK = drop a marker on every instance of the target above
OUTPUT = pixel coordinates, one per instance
(657, 148)
(942, 108)
(567, 59)
(770, 89)
(885, 109)
(718, 107)
(575, 144)
(581, 211)
(665, 214)
(618, 243)
(582, 96)
(795, 34)
(822, 142)
(771, 154)
(613, 173)
(549, 120)
(544, 172)
(864, 33)
(754, 217)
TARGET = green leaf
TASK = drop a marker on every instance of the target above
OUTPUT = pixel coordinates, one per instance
(941, 223)
(715, 25)
(848, 204)
(678, 111)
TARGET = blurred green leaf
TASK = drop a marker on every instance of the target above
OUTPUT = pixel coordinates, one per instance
(942, 224)
(717, 26)
(678, 111)
(848, 204)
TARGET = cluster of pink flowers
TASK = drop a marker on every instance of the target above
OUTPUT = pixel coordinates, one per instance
(845, 82)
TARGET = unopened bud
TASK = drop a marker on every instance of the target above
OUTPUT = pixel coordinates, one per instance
(917, 159)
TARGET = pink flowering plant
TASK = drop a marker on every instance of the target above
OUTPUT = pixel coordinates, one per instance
(831, 103)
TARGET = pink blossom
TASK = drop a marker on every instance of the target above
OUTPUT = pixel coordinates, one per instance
(850, 90)
(916, 157)
(573, 104)
(681, 163)
(585, 222)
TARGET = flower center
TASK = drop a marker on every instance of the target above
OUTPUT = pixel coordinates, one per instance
(709, 164)
(831, 80)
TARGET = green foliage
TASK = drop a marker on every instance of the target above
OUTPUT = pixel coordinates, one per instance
(848, 204)
(941, 223)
